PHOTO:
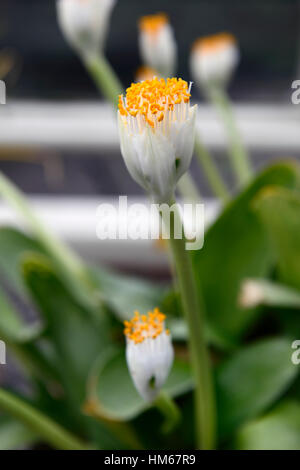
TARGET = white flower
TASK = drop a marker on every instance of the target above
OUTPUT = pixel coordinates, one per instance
(213, 60)
(85, 23)
(157, 44)
(149, 352)
(157, 134)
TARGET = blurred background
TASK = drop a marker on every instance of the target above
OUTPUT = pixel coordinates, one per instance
(58, 139)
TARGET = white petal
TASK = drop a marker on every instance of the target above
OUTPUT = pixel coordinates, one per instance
(150, 159)
(183, 138)
(149, 364)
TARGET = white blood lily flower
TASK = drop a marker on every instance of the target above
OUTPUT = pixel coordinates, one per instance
(157, 134)
(149, 352)
(157, 44)
(213, 60)
(84, 23)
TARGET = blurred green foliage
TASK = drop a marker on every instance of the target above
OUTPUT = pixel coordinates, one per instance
(74, 356)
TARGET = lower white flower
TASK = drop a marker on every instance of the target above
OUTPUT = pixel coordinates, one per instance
(157, 134)
(213, 60)
(149, 352)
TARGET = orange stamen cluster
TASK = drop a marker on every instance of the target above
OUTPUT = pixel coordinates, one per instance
(152, 24)
(152, 98)
(141, 327)
(214, 43)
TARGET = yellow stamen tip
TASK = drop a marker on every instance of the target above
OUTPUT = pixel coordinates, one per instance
(213, 43)
(141, 327)
(153, 23)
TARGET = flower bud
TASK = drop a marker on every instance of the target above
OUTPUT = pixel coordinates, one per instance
(213, 60)
(84, 23)
(149, 352)
(157, 44)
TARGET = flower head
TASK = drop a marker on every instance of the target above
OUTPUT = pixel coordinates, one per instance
(85, 23)
(214, 59)
(157, 133)
(157, 43)
(149, 352)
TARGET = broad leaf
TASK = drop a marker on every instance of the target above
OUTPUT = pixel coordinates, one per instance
(237, 247)
(14, 435)
(280, 212)
(126, 294)
(277, 430)
(78, 335)
(251, 381)
(112, 394)
(13, 245)
(12, 327)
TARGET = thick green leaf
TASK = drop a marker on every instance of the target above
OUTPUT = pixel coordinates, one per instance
(14, 435)
(280, 212)
(251, 381)
(277, 430)
(112, 394)
(126, 294)
(23, 340)
(237, 247)
(13, 245)
(12, 327)
(78, 335)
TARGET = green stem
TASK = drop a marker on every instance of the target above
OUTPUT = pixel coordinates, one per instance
(211, 171)
(188, 189)
(239, 157)
(40, 424)
(194, 311)
(104, 77)
(167, 406)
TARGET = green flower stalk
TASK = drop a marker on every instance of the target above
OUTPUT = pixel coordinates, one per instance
(157, 137)
(213, 60)
(211, 171)
(85, 25)
(51, 432)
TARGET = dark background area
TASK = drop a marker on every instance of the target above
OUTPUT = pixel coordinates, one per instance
(268, 32)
